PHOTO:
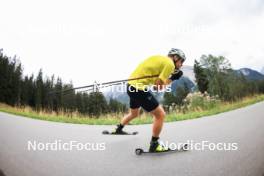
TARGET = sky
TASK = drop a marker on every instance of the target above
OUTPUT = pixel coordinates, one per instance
(102, 40)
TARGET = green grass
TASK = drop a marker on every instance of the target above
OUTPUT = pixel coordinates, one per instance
(112, 119)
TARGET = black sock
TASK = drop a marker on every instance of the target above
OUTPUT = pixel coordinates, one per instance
(120, 127)
(154, 139)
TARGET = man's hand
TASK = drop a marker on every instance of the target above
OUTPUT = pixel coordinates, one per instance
(176, 75)
(159, 85)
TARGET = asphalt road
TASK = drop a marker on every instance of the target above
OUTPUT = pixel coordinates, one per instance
(114, 155)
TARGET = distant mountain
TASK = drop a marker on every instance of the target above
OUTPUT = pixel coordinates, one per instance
(117, 92)
(262, 71)
(251, 74)
(184, 81)
(188, 72)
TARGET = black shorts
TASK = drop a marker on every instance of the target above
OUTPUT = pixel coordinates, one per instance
(140, 98)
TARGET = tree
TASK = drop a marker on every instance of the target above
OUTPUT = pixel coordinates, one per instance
(201, 77)
(39, 91)
(10, 79)
(116, 106)
(68, 99)
(97, 104)
(48, 86)
(57, 97)
(216, 69)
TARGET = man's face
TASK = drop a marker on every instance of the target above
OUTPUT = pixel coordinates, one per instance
(178, 62)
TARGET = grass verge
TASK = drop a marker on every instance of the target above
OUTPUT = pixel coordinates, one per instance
(112, 119)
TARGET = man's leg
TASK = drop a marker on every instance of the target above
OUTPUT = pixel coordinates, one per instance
(127, 118)
(131, 115)
(159, 115)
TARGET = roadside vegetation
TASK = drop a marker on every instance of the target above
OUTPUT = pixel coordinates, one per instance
(200, 107)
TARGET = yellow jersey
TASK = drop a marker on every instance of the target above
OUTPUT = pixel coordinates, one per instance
(162, 66)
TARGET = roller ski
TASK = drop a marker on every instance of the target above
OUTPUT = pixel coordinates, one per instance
(119, 131)
(155, 148)
(106, 132)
